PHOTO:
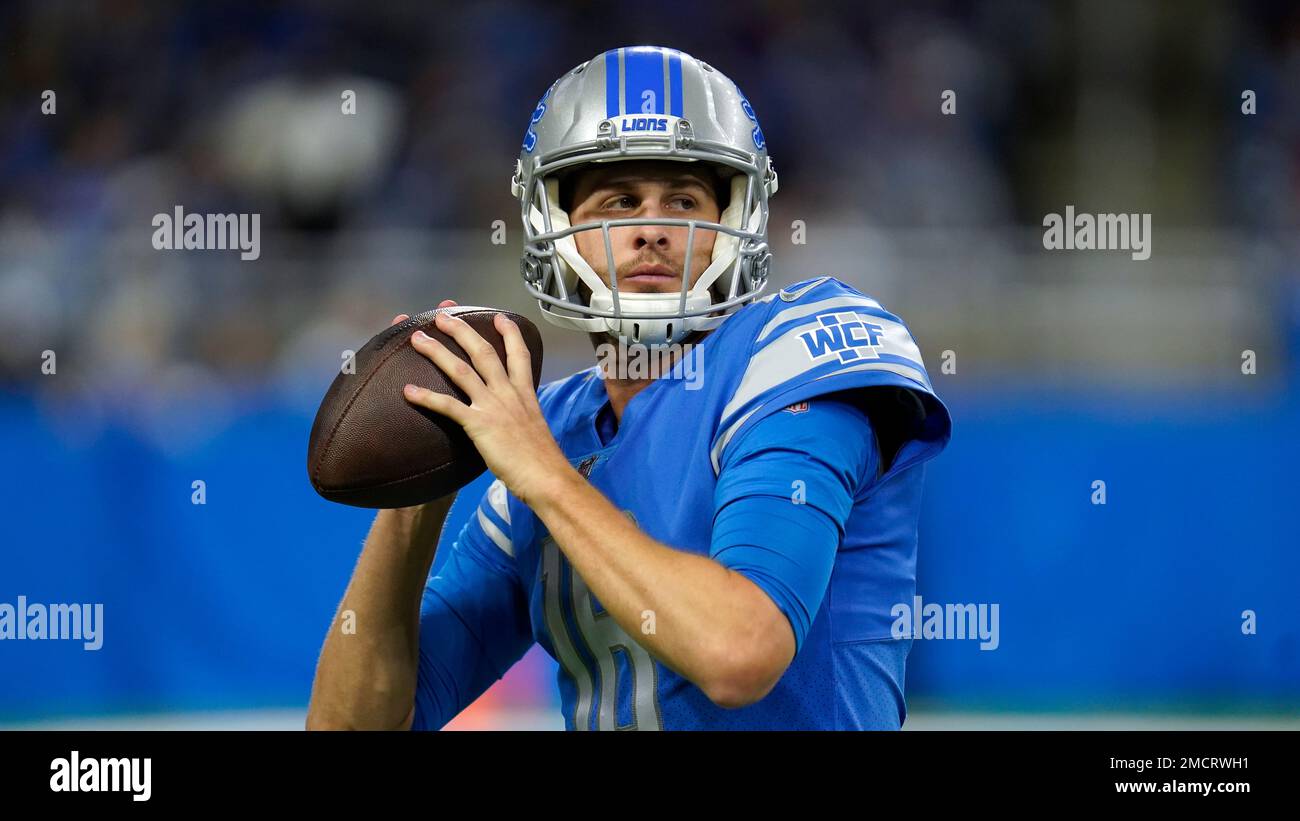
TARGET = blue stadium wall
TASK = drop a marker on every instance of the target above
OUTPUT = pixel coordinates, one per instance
(1134, 603)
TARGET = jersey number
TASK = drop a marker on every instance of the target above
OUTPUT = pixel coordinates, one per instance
(604, 641)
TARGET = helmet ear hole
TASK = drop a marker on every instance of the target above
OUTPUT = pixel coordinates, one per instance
(721, 175)
(565, 190)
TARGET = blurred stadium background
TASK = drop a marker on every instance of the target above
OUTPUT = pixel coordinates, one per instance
(1071, 367)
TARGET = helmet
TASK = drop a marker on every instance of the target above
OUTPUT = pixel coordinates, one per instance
(639, 103)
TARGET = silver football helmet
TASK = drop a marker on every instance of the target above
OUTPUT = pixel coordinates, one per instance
(641, 103)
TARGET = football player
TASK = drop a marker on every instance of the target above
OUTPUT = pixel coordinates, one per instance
(714, 543)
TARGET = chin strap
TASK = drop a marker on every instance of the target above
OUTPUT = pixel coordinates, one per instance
(652, 331)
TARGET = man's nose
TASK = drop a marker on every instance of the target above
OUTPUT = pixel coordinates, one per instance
(656, 235)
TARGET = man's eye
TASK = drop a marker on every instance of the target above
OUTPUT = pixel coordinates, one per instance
(684, 203)
(621, 201)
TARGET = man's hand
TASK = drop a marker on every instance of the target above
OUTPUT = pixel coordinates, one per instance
(503, 418)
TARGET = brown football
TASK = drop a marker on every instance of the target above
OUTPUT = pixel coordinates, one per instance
(370, 447)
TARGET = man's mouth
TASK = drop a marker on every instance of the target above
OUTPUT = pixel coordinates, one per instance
(650, 274)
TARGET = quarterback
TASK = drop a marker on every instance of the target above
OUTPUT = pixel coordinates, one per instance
(720, 552)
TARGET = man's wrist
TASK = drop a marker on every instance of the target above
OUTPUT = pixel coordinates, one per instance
(559, 485)
(417, 527)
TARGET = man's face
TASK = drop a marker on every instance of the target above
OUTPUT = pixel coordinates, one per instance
(647, 258)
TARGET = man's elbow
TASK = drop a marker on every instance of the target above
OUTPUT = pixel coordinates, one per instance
(732, 694)
(318, 720)
(745, 671)
(317, 723)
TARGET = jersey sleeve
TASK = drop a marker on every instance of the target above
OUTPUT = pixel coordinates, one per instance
(473, 616)
(823, 337)
(783, 497)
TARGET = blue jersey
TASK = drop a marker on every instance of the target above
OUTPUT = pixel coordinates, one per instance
(816, 357)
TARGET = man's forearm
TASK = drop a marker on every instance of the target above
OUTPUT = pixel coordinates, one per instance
(711, 624)
(367, 670)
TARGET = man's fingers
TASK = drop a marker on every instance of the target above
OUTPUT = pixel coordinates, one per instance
(519, 361)
(399, 318)
(480, 351)
(457, 369)
(441, 403)
(447, 303)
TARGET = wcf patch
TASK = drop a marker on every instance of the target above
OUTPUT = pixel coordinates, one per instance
(846, 335)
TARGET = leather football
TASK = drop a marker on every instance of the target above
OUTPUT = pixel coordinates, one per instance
(370, 447)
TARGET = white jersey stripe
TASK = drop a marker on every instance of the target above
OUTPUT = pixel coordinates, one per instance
(902, 370)
(800, 311)
(496, 496)
(494, 533)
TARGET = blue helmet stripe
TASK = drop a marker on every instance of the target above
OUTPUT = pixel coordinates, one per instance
(645, 73)
(611, 83)
(675, 81)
